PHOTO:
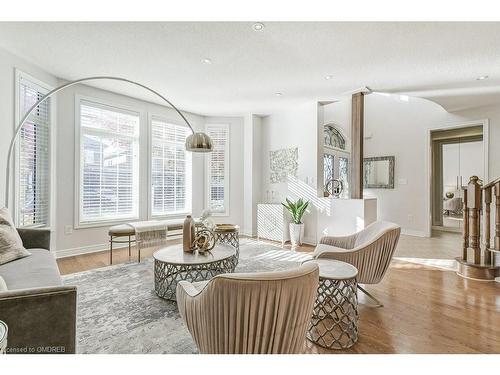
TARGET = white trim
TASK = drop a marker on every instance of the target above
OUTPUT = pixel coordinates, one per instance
(309, 241)
(98, 248)
(428, 161)
(227, 170)
(18, 75)
(414, 233)
(167, 119)
(77, 223)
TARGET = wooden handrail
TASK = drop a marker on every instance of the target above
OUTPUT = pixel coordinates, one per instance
(491, 184)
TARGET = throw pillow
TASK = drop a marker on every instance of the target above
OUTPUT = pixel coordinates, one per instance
(11, 245)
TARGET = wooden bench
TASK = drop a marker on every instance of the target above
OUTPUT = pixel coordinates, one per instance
(116, 232)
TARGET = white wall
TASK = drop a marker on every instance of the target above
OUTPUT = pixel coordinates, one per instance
(236, 134)
(88, 239)
(400, 127)
(294, 128)
(394, 125)
(252, 159)
(8, 64)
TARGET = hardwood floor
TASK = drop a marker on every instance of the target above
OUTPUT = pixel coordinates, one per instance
(426, 309)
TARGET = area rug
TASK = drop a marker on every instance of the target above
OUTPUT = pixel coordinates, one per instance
(118, 311)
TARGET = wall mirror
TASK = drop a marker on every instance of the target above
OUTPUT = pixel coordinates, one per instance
(379, 172)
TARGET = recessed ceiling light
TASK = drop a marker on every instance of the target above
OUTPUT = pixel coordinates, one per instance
(206, 60)
(258, 26)
(279, 94)
(481, 78)
(329, 76)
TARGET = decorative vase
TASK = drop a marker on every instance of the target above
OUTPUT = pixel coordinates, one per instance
(296, 234)
(188, 234)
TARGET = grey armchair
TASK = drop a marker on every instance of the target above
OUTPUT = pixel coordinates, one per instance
(369, 250)
(250, 313)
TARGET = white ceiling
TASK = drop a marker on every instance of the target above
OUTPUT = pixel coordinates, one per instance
(249, 67)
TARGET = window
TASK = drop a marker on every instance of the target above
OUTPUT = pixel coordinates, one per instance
(170, 169)
(218, 170)
(109, 174)
(333, 138)
(33, 154)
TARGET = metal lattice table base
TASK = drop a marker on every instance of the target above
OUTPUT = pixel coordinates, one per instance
(168, 275)
(334, 323)
(231, 238)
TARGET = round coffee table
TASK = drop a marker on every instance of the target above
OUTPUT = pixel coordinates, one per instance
(172, 264)
(3, 337)
(334, 322)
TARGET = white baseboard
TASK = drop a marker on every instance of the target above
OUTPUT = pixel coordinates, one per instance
(415, 233)
(309, 241)
(86, 250)
(97, 248)
(248, 233)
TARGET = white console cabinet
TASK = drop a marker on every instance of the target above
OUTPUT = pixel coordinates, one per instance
(272, 222)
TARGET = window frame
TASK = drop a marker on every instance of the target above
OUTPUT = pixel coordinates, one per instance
(227, 170)
(78, 170)
(18, 76)
(151, 118)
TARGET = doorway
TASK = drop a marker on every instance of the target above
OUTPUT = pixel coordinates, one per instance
(457, 154)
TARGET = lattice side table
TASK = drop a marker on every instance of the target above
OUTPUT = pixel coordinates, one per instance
(228, 234)
(334, 322)
(172, 264)
(3, 337)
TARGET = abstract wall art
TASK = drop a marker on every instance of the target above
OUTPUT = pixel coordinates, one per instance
(283, 163)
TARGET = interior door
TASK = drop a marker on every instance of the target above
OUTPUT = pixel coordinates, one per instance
(471, 161)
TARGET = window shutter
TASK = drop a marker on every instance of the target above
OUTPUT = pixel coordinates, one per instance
(109, 174)
(33, 182)
(171, 169)
(218, 169)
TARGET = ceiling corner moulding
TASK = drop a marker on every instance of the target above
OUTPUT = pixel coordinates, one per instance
(364, 89)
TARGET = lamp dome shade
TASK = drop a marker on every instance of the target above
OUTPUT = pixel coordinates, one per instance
(199, 142)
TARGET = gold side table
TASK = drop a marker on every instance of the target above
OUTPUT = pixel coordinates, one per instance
(3, 337)
(228, 234)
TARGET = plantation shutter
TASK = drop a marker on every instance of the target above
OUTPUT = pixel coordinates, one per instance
(170, 169)
(33, 181)
(109, 174)
(218, 169)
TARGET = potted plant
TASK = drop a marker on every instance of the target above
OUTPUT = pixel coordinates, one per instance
(297, 210)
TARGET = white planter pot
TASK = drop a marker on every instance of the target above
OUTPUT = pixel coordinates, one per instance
(296, 233)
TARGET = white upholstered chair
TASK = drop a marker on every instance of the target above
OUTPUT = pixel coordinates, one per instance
(369, 250)
(250, 313)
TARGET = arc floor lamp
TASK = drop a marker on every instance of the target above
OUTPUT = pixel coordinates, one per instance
(195, 142)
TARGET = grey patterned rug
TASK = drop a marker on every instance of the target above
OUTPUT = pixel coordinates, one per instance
(118, 311)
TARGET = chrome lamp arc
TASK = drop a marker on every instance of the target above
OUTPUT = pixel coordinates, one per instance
(195, 142)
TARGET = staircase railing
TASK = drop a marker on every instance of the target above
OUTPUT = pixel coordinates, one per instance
(477, 204)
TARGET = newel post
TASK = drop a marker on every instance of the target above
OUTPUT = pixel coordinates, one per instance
(474, 207)
(497, 216)
(466, 228)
